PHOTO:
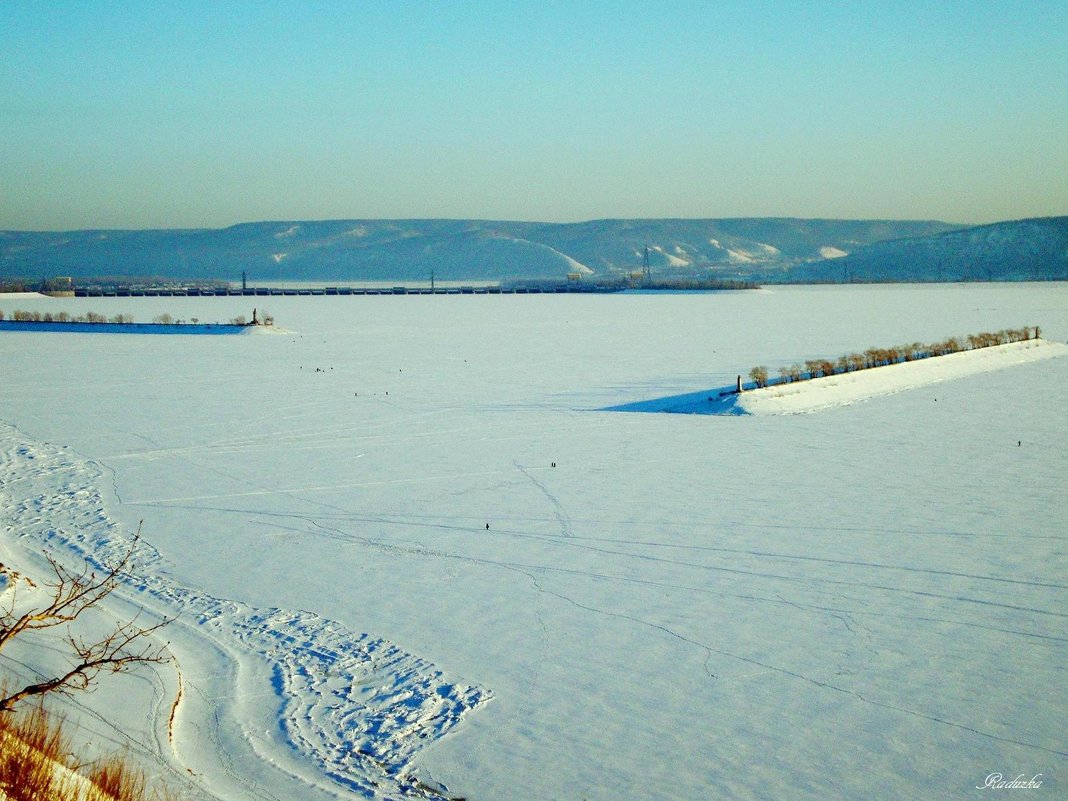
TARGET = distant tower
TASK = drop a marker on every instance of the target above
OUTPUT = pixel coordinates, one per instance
(645, 265)
(431, 280)
(244, 281)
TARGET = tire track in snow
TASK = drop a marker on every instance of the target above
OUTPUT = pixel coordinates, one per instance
(770, 668)
(466, 525)
(846, 617)
(356, 705)
(562, 517)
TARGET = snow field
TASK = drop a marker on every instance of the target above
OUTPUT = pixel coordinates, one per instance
(862, 603)
(357, 706)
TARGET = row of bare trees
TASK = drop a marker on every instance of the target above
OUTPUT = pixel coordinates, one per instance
(21, 316)
(879, 357)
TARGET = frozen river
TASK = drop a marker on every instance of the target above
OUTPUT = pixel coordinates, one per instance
(406, 525)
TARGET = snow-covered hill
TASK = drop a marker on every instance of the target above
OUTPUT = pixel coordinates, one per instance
(348, 250)
(1021, 250)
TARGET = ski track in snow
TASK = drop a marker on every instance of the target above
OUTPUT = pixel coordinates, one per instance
(356, 705)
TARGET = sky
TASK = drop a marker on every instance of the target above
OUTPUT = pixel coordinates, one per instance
(186, 115)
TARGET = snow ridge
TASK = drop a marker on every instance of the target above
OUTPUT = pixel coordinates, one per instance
(356, 705)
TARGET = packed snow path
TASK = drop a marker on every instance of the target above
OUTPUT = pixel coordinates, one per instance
(356, 705)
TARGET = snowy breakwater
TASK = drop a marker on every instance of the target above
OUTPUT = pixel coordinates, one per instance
(210, 329)
(842, 389)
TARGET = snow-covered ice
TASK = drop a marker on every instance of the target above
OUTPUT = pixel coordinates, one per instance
(412, 555)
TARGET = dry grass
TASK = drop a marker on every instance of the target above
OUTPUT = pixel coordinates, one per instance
(35, 766)
(116, 779)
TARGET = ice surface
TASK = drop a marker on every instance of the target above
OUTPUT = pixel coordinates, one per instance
(868, 602)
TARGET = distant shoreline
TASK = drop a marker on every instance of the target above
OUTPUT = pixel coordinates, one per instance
(275, 289)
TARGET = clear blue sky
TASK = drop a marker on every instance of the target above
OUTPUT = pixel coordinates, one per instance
(189, 114)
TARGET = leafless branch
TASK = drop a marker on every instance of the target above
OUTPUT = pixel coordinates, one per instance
(71, 593)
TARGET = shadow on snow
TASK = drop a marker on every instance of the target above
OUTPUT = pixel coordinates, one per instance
(720, 401)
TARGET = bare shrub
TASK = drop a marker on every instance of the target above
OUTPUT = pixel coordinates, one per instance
(163, 319)
(819, 367)
(758, 374)
(70, 594)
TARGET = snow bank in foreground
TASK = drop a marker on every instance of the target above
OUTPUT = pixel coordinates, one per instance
(357, 706)
(846, 388)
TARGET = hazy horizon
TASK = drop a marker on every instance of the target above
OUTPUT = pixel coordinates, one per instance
(281, 221)
(145, 115)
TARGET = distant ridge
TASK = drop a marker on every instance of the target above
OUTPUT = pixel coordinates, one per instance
(1019, 250)
(766, 249)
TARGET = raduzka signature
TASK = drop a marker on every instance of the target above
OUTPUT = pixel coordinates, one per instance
(997, 781)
